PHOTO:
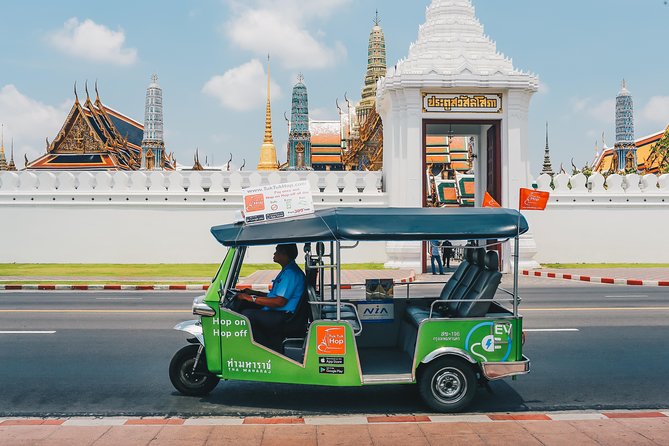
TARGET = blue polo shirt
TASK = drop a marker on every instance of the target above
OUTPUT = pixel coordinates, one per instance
(289, 284)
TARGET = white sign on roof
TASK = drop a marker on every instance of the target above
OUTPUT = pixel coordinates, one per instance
(277, 201)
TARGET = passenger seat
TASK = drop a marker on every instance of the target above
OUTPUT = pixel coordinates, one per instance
(479, 298)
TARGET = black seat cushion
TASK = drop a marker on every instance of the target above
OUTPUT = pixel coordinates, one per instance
(479, 298)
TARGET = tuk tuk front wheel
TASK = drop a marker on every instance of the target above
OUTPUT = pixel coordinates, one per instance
(189, 381)
(448, 384)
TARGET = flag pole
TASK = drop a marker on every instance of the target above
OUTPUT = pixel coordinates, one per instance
(516, 254)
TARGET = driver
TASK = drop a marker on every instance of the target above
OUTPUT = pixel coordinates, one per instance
(267, 312)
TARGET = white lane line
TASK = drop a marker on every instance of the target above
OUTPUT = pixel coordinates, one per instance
(118, 298)
(628, 295)
(551, 329)
(27, 332)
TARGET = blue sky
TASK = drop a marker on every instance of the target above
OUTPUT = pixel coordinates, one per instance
(210, 58)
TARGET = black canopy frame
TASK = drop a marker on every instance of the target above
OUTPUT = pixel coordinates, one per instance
(378, 224)
(382, 224)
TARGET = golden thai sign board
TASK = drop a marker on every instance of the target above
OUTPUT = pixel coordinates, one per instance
(462, 103)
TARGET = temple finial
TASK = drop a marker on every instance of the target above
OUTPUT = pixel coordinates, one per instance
(377, 20)
(154, 78)
(76, 96)
(2, 139)
(268, 111)
(97, 93)
(300, 78)
(88, 98)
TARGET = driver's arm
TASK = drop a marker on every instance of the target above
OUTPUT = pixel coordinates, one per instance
(252, 292)
(272, 302)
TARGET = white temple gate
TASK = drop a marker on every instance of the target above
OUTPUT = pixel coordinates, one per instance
(454, 74)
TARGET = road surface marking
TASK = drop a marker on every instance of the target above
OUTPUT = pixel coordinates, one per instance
(27, 332)
(118, 298)
(551, 329)
(597, 309)
(628, 295)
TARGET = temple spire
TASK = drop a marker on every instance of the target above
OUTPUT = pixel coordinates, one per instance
(376, 69)
(11, 166)
(299, 136)
(153, 144)
(267, 150)
(547, 168)
(268, 110)
(625, 146)
(3, 161)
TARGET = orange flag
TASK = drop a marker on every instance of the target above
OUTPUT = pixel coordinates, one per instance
(533, 200)
(489, 202)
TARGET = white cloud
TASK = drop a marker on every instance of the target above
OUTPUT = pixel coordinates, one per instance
(91, 41)
(603, 111)
(29, 122)
(277, 27)
(657, 110)
(242, 88)
(323, 114)
(544, 88)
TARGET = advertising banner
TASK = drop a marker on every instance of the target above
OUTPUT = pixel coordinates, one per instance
(277, 201)
(533, 200)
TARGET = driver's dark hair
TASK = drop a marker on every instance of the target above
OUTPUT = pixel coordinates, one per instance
(289, 249)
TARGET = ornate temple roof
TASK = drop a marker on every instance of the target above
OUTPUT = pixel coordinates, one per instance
(94, 137)
(452, 50)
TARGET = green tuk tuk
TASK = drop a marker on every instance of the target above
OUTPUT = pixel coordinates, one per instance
(448, 344)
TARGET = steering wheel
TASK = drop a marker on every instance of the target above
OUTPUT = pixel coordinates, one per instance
(230, 296)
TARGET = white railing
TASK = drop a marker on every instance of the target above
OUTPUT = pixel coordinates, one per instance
(597, 189)
(328, 188)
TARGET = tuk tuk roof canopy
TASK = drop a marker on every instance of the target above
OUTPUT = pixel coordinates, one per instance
(378, 224)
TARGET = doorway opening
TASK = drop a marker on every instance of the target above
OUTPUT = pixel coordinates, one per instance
(462, 160)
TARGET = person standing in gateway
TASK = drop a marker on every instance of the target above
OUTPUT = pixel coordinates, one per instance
(267, 312)
(435, 254)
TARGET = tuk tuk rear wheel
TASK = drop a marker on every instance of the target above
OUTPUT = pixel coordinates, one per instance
(448, 384)
(191, 382)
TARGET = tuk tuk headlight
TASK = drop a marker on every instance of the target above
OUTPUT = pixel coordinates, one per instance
(200, 308)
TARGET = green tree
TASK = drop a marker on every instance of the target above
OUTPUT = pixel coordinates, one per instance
(659, 154)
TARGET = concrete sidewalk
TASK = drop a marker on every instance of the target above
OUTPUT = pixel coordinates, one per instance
(619, 428)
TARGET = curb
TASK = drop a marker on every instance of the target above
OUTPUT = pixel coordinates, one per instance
(591, 279)
(157, 287)
(109, 287)
(332, 420)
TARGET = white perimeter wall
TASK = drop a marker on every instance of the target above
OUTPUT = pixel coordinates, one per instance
(155, 217)
(620, 219)
(165, 217)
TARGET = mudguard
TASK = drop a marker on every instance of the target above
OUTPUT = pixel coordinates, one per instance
(193, 328)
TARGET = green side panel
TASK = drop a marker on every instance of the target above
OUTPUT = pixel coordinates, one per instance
(221, 275)
(331, 357)
(212, 346)
(485, 340)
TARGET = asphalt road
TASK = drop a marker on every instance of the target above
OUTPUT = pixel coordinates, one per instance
(108, 353)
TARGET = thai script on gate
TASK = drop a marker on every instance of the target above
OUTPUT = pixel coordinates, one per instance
(485, 103)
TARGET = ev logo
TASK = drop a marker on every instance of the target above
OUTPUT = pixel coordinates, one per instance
(488, 343)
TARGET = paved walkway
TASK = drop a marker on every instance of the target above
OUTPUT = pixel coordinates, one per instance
(619, 428)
